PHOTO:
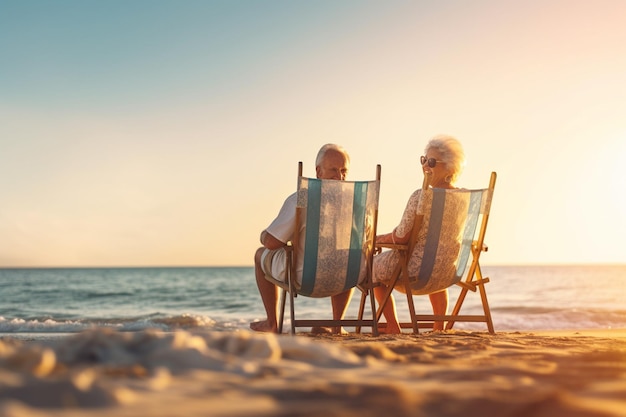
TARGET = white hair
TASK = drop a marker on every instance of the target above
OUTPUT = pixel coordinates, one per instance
(451, 152)
(330, 147)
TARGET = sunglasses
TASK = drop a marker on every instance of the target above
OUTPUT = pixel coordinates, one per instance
(432, 162)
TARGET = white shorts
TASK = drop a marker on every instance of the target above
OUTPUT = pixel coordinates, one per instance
(273, 263)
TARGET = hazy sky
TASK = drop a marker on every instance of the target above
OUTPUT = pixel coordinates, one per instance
(168, 132)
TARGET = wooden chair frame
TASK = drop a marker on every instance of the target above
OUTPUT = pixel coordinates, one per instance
(474, 280)
(291, 288)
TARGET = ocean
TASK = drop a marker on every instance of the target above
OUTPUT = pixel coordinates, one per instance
(44, 303)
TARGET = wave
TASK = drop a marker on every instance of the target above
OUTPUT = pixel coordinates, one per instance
(51, 325)
(514, 318)
(546, 318)
(108, 294)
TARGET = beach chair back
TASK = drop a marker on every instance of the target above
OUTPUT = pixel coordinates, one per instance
(336, 220)
(444, 244)
(448, 231)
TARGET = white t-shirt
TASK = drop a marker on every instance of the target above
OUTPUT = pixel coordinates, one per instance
(283, 228)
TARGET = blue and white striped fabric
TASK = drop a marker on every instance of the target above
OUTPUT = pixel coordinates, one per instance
(338, 233)
(444, 245)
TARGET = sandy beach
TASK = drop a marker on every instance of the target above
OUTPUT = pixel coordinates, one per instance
(149, 373)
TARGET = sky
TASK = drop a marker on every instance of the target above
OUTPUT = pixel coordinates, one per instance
(167, 133)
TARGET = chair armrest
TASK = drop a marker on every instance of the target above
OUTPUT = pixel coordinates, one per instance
(485, 248)
(391, 246)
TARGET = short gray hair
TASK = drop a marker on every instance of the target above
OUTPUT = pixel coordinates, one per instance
(330, 147)
(451, 151)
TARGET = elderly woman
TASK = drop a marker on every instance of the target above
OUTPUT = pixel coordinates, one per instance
(444, 160)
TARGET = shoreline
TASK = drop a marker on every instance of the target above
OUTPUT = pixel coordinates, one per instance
(587, 331)
(433, 374)
(619, 333)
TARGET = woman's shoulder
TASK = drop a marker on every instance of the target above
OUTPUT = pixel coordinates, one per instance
(415, 198)
(416, 194)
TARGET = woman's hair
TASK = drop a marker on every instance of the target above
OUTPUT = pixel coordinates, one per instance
(451, 151)
(329, 147)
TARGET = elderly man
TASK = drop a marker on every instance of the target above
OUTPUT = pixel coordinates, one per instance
(332, 162)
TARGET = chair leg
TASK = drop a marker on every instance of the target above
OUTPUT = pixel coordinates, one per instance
(374, 317)
(364, 295)
(283, 299)
(483, 296)
(487, 311)
(293, 312)
(409, 298)
(361, 309)
(473, 270)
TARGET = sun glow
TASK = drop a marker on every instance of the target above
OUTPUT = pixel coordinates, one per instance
(182, 155)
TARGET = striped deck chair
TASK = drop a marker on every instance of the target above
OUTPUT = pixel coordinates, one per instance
(336, 220)
(449, 229)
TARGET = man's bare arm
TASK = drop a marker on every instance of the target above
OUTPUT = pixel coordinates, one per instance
(270, 241)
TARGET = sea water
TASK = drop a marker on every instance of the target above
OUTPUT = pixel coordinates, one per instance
(57, 301)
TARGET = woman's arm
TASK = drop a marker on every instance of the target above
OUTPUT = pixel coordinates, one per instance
(406, 224)
(392, 238)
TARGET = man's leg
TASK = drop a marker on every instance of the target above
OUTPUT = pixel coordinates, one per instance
(269, 295)
(340, 305)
